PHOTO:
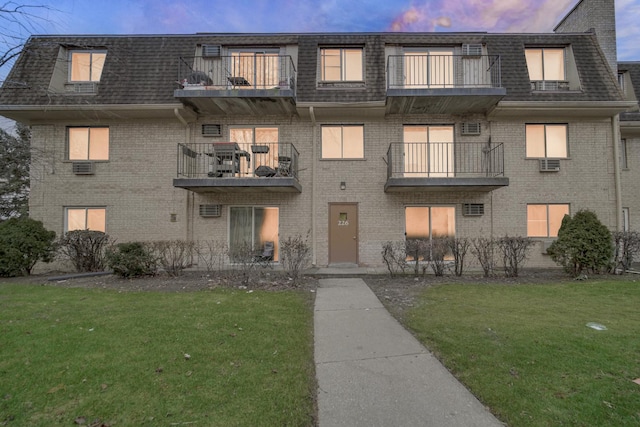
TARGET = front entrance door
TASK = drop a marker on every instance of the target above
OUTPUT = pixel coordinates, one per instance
(343, 233)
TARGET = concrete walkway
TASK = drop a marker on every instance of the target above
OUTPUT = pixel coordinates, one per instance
(372, 372)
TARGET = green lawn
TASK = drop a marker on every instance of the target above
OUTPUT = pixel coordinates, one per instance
(121, 358)
(526, 352)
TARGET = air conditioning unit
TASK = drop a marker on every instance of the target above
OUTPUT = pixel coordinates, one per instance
(553, 85)
(211, 50)
(471, 128)
(472, 49)
(549, 165)
(82, 168)
(473, 209)
(211, 130)
(210, 211)
(89, 87)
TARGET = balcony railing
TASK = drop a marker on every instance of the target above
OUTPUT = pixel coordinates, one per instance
(443, 71)
(254, 71)
(237, 160)
(445, 160)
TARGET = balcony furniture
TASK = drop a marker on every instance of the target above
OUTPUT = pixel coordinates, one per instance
(238, 81)
(225, 159)
(260, 149)
(265, 171)
(284, 166)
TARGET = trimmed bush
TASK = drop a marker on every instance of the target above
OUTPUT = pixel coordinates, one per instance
(514, 253)
(85, 248)
(23, 242)
(133, 259)
(584, 244)
(174, 255)
(295, 254)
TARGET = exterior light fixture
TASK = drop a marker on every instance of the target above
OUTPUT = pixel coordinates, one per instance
(343, 185)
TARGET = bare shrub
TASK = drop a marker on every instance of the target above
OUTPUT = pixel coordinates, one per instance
(514, 253)
(244, 261)
(484, 250)
(458, 247)
(212, 253)
(85, 249)
(438, 250)
(417, 250)
(626, 248)
(174, 255)
(295, 254)
(395, 257)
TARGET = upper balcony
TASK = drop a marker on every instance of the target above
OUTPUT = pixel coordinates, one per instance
(445, 166)
(246, 83)
(234, 167)
(443, 83)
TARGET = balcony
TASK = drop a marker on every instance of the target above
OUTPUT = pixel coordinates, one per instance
(445, 166)
(443, 84)
(253, 84)
(238, 167)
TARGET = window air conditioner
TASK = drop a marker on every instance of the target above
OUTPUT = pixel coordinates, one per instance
(471, 49)
(211, 130)
(82, 168)
(549, 165)
(471, 128)
(211, 50)
(210, 211)
(473, 209)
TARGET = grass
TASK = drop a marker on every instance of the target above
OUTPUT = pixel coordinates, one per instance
(526, 352)
(120, 357)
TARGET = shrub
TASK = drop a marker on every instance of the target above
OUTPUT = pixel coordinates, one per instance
(395, 257)
(484, 249)
(174, 255)
(23, 242)
(514, 253)
(212, 253)
(417, 250)
(244, 259)
(583, 244)
(295, 255)
(627, 247)
(438, 249)
(85, 248)
(459, 246)
(132, 260)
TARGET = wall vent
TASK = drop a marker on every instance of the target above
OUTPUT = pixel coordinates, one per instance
(82, 168)
(89, 87)
(471, 129)
(473, 209)
(211, 130)
(210, 211)
(472, 49)
(553, 85)
(211, 50)
(549, 165)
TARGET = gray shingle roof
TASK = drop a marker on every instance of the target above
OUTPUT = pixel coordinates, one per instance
(143, 69)
(633, 68)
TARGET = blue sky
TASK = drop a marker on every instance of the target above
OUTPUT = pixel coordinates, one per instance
(180, 16)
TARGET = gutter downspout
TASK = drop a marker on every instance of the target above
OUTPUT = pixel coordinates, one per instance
(615, 131)
(313, 188)
(188, 232)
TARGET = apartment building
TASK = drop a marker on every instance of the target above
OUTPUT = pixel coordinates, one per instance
(355, 139)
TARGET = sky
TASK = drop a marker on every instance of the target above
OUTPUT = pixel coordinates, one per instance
(292, 16)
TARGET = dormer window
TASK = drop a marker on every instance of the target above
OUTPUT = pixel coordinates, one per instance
(548, 68)
(341, 64)
(86, 66)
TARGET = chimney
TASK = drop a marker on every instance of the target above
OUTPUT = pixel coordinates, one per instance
(597, 16)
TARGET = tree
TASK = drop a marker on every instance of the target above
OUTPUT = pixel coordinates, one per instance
(15, 157)
(16, 22)
(584, 244)
(23, 242)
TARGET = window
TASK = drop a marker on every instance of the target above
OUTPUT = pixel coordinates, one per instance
(625, 219)
(88, 143)
(546, 141)
(341, 64)
(343, 142)
(86, 66)
(428, 151)
(623, 154)
(85, 219)
(269, 152)
(545, 220)
(427, 222)
(259, 69)
(545, 64)
(428, 68)
(252, 229)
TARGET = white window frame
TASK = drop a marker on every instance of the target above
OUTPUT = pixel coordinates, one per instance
(343, 63)
(68, 147)
(91, 62)
(342, 141)
(624, 159)
(546, 142)
(86, 209)
(548, 233)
